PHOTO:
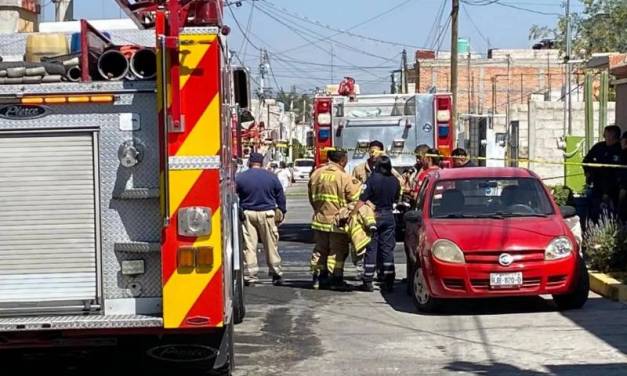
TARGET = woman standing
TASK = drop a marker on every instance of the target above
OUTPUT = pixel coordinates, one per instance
(383, 190)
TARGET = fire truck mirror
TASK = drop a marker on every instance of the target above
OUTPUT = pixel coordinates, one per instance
(241, 87)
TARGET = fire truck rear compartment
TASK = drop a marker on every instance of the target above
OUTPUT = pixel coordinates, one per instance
(79, 231)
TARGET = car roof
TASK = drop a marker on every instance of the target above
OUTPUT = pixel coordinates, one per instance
(483, 172)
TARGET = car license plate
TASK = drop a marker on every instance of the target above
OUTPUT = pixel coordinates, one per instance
(502, 280)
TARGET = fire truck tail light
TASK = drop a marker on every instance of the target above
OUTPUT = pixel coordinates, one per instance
(444, 116)
(443, 131)
(55, 100)
(323, 107)
(194, 221)
(204, 257)
(200, 258)
(185, 257)
(69, 99)
(324, 119)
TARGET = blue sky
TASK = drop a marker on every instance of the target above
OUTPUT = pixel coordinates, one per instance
(406, 22)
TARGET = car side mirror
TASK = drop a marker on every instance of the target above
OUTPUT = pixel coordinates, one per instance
(413, 216)
(568, 211)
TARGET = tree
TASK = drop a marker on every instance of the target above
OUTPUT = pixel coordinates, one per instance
(298, 103)
(601, 27)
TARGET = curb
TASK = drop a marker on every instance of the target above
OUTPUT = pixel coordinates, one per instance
(607, 286)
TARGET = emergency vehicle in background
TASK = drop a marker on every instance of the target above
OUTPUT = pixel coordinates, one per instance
(401, 122)
(119, 213)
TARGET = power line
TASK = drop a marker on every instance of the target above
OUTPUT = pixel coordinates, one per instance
(243, 48)
(474, 25)
(508, 5)
(339, 31)
(301, 35)
(436, 23)
(298, 29)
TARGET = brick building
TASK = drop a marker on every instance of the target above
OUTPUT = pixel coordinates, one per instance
(483, 82)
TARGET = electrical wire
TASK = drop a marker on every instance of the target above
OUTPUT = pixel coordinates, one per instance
(474, 25)
(436, 23)
(345, 32)
(304, 37)
(243, 49)
(300, 30)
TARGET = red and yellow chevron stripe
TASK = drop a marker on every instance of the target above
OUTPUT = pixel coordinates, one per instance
(195, 298)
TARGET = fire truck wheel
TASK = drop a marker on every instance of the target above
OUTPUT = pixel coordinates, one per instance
(239, 308)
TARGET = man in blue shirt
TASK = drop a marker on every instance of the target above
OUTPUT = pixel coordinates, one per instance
(262, 199)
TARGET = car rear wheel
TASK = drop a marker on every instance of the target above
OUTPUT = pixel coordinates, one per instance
(578, 297)
(421, 294)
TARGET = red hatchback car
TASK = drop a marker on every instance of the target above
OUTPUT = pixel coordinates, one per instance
(493, 232)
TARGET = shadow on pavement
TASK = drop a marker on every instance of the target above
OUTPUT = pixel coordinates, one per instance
(296, 232)
(604, 319)
(401, 302)
(502, 369)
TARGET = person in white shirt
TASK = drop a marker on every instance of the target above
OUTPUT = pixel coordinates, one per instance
(283, 173)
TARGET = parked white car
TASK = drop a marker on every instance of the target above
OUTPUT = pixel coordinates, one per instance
(302, 169)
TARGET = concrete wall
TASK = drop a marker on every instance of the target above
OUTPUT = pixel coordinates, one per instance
(621, 106)
(542, 126)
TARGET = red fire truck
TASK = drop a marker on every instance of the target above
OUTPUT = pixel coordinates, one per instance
(400, 121)
(120, 222)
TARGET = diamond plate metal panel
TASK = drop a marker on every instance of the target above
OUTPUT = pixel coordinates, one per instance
(122, 220)
(110, 87)
(79, 322)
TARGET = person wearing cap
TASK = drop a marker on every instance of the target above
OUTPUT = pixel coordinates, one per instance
(604, 191)
(363, 170)
(262, 200)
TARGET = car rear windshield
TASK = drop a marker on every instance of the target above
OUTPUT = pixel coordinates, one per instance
(490, 198)
(304, 163)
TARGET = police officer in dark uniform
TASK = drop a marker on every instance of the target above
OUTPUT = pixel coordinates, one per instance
(382, 189)
(604, 191)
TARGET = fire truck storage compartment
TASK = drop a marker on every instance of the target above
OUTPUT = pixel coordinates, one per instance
(80, 224)
(48, 221)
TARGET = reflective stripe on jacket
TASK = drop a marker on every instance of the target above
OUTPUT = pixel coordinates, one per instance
(330, 189)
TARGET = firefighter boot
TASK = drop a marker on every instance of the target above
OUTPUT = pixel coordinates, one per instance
(388, 283)
(366, 287)
(277, 280)
(338, 284)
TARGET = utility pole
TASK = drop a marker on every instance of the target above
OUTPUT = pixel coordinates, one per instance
(264, 68)
(454, 57)
(569, 102)
(469, 83)
(64, 10)
(332, 64)
(405, 82)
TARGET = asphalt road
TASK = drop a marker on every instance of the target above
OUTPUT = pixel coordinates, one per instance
(294, 330)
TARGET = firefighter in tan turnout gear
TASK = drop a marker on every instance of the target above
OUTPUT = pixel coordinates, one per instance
(331, 189)
(363, 170)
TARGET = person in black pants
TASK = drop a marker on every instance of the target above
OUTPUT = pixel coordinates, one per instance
(383, 190)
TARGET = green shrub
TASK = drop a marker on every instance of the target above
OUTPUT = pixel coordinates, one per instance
(604, 244)
(562, 195)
